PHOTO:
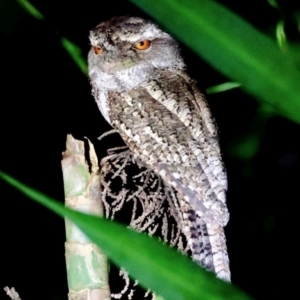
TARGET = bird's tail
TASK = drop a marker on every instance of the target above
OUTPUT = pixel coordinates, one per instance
(207, 243)
(219, 254)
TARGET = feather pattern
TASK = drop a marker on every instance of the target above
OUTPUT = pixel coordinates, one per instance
(164, 119)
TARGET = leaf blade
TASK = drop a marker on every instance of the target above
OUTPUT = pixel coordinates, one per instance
(235, 48)
(170, 274)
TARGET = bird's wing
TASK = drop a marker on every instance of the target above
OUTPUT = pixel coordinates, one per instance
(168, 127)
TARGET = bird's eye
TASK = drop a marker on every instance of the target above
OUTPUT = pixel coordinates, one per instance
(97, 50)
(142, 45)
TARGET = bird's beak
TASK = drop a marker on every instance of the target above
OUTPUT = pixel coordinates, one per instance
(113, 67)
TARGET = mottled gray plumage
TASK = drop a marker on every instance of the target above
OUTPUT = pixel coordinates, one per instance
(141, 88)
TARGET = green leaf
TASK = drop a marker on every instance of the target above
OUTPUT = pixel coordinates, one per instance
(235, 48)
(156, 266)
(222, 87)
(31, 9)
(75, 53)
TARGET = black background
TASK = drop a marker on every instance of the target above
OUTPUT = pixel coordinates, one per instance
(44, 96)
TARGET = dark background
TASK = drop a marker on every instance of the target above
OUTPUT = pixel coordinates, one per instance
(44, 96)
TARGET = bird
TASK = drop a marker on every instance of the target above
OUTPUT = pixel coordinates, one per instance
(141, 87)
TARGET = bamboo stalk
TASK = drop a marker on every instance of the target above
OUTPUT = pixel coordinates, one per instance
(87, 267)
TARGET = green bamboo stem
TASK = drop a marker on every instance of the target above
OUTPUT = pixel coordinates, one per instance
(87, 267)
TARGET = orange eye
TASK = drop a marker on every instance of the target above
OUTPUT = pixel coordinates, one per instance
(97, 50)
(142, 45)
